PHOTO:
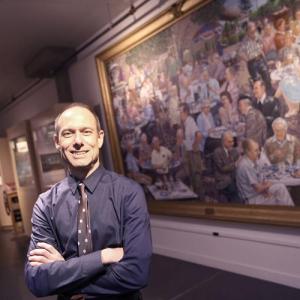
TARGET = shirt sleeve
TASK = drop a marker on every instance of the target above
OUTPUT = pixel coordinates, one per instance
(251, 175)
(132, 272)
(59, 276)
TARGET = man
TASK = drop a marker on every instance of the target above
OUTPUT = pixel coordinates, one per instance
(256, 126)
(95, 250)
(133, 169)
(251, 51)
(205, 122)
(180, 155)
(160, 160)
(252, 188)
(225, 159)
(267, 105)
(189, 125)
(211, 88)
(282, 147)
(196, 166)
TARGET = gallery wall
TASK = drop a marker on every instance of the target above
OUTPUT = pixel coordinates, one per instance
(37, 100)
(266, 252)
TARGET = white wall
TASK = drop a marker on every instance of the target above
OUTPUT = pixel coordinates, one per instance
(266, 252)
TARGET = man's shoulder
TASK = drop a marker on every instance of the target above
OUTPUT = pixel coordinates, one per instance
(165, 149)
(234, 152)
(200, 117)
(48, 197)
(119, 181)
(190, 120)
(219, 151)
(270, 99)
(292, 139)
(256, 114)
(243, 163)
(270, 141)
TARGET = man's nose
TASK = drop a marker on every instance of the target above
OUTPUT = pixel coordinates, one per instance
(78, 138)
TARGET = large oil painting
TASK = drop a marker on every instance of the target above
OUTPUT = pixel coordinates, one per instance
(202, 107)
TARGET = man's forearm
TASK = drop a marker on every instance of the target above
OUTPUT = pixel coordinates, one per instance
(123, 277)
(47, 254)
(62, 276)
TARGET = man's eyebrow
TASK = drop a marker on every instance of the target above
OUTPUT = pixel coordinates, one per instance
(80, 128)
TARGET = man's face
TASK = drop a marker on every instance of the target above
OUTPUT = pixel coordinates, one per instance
(227, 74)
(258, 90)
(251, 31)
(253, 152)
(228, 141)
(183, 115)
(242, 107)
(156, 143)
(79, 140)
(280, 132)
(206, 109)
(225, 100)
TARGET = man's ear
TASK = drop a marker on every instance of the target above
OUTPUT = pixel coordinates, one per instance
(55, 139)
(100, 138)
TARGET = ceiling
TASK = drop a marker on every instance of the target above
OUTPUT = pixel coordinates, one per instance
(27, 26)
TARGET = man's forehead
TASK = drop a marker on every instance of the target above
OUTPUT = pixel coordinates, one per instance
(279, 127)
(77, 116)
(76, 113)
(76, 110)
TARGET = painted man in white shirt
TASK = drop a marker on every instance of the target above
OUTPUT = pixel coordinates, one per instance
(252, 188)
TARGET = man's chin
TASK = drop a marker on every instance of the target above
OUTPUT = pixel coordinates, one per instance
(83, 168)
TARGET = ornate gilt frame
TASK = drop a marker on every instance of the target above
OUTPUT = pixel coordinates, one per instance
(227, 212)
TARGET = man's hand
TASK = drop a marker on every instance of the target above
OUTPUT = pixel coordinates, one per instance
(44, 254)
(111, 255)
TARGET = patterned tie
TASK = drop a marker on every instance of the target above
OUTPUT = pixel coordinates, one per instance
(83, 224)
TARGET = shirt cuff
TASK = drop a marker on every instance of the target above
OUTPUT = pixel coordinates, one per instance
(91, 263)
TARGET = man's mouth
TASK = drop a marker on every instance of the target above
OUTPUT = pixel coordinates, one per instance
(79, 153)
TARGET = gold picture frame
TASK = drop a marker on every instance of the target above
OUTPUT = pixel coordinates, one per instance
(278, 215)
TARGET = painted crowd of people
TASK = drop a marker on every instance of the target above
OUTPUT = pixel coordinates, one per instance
(167, 109)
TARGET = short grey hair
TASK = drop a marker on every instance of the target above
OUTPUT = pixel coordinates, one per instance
(226, 133)
(279, 122)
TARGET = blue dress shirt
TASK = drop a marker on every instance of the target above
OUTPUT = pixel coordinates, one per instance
(119, 218)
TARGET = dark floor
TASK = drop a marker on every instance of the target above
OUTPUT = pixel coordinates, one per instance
(171, 279)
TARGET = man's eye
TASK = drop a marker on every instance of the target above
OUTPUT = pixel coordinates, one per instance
(67, 134)
(87, 132)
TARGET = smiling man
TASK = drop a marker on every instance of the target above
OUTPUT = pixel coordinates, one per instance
(90, 232)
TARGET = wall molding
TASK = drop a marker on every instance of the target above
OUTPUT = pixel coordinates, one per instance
(269, 256)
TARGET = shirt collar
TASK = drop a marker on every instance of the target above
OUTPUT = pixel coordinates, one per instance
(250, 162)
(90, 182)
(288, 138)
(262, 98)
(226, 151)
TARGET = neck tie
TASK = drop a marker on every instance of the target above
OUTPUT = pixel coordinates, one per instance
(83, 224)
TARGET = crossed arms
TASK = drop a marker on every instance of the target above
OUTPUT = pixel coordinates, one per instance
(106, 271)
